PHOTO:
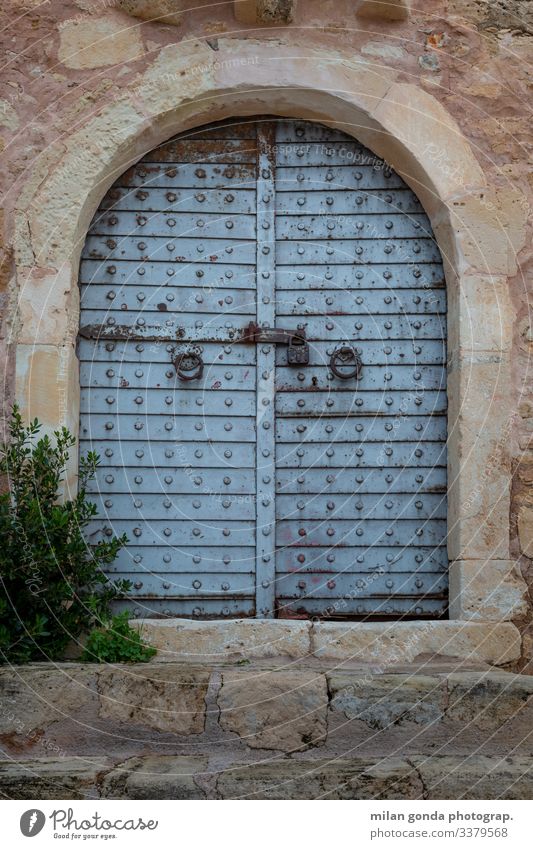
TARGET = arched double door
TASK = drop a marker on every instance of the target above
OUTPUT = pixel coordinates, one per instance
(263, 369)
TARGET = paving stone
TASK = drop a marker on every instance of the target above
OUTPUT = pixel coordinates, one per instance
(385, 700)
(275, 710)
(475, 777)
(488, 699)
(392, 778)
(161, 696)
(156, 777)
(52, 778)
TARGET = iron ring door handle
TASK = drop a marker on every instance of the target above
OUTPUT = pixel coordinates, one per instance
(189, 365)
(345, 355)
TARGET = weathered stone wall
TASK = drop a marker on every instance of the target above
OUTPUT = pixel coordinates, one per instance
(71, 60)
(277, 729)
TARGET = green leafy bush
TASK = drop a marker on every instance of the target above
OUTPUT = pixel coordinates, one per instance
(52, 582)
(115, 642)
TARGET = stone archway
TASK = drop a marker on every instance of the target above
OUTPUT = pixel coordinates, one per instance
(479, 230)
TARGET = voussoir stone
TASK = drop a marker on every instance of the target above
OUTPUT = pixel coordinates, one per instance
(52, 778)
(275, 710)
(385, 700)
(487, 699)
(155, 777)
(390, 778)
(166, 697)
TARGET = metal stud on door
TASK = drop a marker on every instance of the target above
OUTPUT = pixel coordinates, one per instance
(262, 364)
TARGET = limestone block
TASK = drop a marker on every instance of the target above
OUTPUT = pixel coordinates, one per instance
(525, 530)
(155, 777)
(163, 11)
(488, 227)
(387, 10)
(48, 305)
(487, 699)
(163, 697)
(481, 314)
(382, 701)
(52, 778)
(47, 385)
(34, 697)
(480, 407)
(384, 778)
(401, 642)
(275, 709)
(426, 146)
(265, 11)
(475, 777)
(486, 590)
(93, 43)
(182, 639)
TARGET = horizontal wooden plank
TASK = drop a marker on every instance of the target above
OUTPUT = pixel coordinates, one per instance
(151, 175)
(356, 226)
(318, 378)
(177, 199)
(402, 532)
(321, 177)
(327, 585)
(383, 429)
(218, 225)
(161, 249)
(363, 403)
(119, 272)
(361, 202)
(166, 559)
(355, 481)
(171, 481)
(187, 608)
(340, 455)
(187, 585)
(357, 507)
(365, 609)
(364, 558)
(182, 401)
(204, 150)
(360, 302)
(347, 251)
(166, 428)
(116, 376)
(158, 506)
(201, 454)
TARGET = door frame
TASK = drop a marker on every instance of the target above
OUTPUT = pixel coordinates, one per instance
(401, 123)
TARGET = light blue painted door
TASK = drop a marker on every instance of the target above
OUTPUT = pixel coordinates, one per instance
(231, 282)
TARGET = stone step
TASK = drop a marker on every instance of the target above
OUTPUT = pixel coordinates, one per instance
(192, 777)
(494, 643)
(247, 710)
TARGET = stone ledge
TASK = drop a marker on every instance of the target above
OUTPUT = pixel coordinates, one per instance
(384, 643)
(168, 777)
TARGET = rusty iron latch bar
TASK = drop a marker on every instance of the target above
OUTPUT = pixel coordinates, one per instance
(298, 347)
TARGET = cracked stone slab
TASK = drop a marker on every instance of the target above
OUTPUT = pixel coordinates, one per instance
(385, 700)
(161, 696)
(489, 699)
(156, 777)
(52, 778)
(390, 778)
(281, 710)
(475, 777)
(35, 696)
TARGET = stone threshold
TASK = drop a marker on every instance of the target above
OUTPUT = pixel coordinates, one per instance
(383, 643)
